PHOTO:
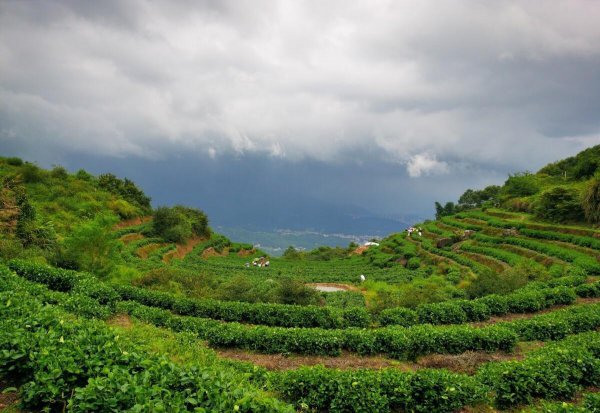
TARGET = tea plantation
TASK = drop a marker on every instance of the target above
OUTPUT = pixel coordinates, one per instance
(109, 305)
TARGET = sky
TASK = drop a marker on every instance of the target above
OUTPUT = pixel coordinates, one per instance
(368, 108)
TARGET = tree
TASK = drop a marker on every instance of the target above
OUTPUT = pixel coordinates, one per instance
(442, 211)
(179, 223)
(92, 247)
(29, 230)
(126, 189)
(560, 204)
(521, 184)
(469, 198)
(591, 201)
(293, 291)
(292, 253)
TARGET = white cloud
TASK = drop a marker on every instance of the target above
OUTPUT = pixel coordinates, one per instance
(425, 164)
(456, 81)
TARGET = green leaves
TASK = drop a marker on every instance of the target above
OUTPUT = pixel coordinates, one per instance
(82, 364)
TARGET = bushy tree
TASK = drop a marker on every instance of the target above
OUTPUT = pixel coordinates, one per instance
(293, 291)
(92, 247)
(442, 211)
(29, 230)
(31, 173)
(179, 223)
(14, 161)
(521, 184)
(59, 172)
(84, 175)
(591, 201)
(581, 166)
(560, 204)
(490, 282)
(292, 253)
(126, 189)
(472, 198)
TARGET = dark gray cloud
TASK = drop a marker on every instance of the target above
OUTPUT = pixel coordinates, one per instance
(438, 92)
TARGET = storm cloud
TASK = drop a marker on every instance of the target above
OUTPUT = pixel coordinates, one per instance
(434, 88)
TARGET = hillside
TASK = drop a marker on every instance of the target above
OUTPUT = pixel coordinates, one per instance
(494, 306)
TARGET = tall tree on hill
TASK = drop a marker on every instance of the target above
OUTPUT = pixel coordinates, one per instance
(591, 201)
(442, 211)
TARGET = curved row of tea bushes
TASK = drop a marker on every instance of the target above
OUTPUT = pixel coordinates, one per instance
(591, 290)
(281, 315)
(398, 342)
(383, 391)
(525, 229)
(61, 363)
(476, 267)
(555, 372)
(254, 313)
(587, 262)
(58, 279)
(510, 258)
(461, 311)
(556, 325)
(74, 302)
(590, 404)
(222, 334)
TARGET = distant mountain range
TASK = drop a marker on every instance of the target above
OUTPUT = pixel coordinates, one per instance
(302, 214)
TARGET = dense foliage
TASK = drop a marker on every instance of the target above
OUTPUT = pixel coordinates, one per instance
(179, 223)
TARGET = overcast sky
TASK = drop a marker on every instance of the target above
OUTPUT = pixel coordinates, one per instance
(418, 100)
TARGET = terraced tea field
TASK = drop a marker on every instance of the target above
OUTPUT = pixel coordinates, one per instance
(540, 342)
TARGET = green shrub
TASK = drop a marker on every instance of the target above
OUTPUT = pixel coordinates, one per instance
(591, 201)
(82, 365)
(432, 391)
(179, 223)
(14, 161)
(588, 290)
(413, 263)
(554, 372)
(448, 312)
(521, 184)
(399, 316)
(560, 204)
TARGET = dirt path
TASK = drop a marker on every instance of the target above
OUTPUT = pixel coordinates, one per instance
(120, 320)
(495, 265)
(126, 239)
(133, 222)
(8, 399)
(183, 249)
(467, 362)
(146, 250)
(513, 316)
(339, 287)
(360, 250)
(346, 360)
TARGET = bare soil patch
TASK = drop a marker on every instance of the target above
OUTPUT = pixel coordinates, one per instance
(183, 249)
(211, 252)
(146, 250)
(346, 360)
(513, 316)
(127, 238)
(120, 320)
(497, 266)
(360, 250)
(467, 362)
(245, 253)
(341, 287)
(133, 222)
(7, 399)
